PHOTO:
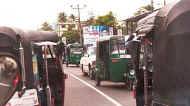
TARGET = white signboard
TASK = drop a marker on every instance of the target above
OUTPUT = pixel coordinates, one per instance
(92, 33)
(29, 98)
(90, 40)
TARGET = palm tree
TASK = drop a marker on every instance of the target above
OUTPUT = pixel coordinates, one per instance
(46, 27)
(91, 21)
(62, 17)
(72, 17)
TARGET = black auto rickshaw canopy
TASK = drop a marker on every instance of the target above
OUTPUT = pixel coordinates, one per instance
(27, 37)
(10, 43)
(171, 38)
(9, 64)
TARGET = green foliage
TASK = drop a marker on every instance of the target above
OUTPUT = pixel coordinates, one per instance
(46, 27)
(144, 9)
(148, 7)
(72, 17)
(71, 36)
(62, 17)
(91, 21)
(107, 20)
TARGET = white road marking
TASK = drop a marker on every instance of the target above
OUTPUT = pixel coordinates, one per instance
(100, 92)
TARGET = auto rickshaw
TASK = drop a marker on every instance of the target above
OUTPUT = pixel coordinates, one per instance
(111, 60)
(163, 74)
(74, 53)
(51, 64)
(26, 74)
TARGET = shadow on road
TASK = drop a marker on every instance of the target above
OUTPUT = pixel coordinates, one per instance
(112, 85)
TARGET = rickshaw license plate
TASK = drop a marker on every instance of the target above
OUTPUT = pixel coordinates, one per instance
(29, 98)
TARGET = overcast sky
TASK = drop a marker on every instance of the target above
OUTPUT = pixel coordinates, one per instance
(30, 14)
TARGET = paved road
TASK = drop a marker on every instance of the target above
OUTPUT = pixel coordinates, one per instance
(81, 91)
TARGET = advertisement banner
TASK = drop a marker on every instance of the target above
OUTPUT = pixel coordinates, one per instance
(92, 33)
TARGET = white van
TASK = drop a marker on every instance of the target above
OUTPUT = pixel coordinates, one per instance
(88, 61)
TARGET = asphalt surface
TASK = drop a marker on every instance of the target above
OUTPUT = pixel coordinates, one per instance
(81, 91)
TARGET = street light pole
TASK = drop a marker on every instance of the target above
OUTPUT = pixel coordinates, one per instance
(79, 21)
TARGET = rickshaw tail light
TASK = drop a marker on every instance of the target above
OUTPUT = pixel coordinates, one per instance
(65, 76)
(15, 81)
(133, 93)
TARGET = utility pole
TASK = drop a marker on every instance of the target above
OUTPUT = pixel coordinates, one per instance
(164, 2)
(152, 4)
(78, 8)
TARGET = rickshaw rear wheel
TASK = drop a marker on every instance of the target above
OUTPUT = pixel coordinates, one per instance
(92, 76)
(67, 64)
(98, 81)
(91, 73)
(129, 85)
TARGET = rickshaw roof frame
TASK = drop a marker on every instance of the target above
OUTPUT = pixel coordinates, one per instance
(74, 45)
(45, 43)
(147, 23)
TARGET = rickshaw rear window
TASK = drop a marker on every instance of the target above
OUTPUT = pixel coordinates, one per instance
(50, 52)
(118, 45)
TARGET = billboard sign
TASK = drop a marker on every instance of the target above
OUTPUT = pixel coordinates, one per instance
(92, 33)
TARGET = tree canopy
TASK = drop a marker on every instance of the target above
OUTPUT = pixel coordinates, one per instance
(72, 17)
(91, 21)
(144, 9)
(62, 17)
(70, 33)
(107, 20)
(46, 27)
(71, 36)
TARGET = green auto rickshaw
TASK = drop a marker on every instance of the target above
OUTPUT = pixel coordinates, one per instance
(74, 53)
(113, 61)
